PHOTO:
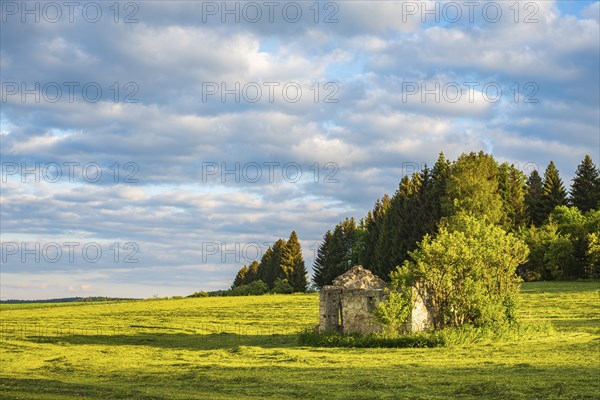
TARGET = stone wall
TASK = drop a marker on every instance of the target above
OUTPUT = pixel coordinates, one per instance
(420, 317)
(359, 278)
(350, 311)
(357, 309)
(348, 304)
(329, 309)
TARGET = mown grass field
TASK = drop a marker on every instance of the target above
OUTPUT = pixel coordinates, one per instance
(246, 348)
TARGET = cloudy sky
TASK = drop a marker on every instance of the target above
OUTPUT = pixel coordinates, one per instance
(155, 147)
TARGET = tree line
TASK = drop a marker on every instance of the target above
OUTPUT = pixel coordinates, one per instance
(281, 270)
(561, 231)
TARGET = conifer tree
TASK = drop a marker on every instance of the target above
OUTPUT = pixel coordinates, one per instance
(585, 192)
(533, 199)
(292, 264)
(322, 263)
(337, 253)
(390, 246)
(240, 277)
(413, 211)
(265, 270)
(413, 228)
(432, 192)
(279, 249)
(511, 185)
(252, 273)
(553, 193)
(298, 278)
(439, 178)
(373, 225)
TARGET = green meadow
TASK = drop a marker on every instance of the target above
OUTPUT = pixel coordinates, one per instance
(247, 348)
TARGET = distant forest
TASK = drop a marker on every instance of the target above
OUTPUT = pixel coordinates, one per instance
(561, 230)
(68, 300)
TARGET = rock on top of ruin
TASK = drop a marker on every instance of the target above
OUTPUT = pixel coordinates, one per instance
(359, 278)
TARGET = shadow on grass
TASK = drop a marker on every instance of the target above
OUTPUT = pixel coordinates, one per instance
(560, 286)
(175, 340)
(22, 388)
(580, 325)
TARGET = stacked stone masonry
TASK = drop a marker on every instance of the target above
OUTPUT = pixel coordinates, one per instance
(346, 306)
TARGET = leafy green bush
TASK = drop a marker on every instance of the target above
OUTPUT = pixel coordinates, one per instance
(257, 287)
(592, 267)
(199, 294)
(396, 309)
(466, 272)
(282, 286)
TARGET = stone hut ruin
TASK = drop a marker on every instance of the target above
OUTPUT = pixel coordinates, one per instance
(346, 306)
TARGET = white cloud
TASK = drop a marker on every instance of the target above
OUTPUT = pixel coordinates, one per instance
(372, 129)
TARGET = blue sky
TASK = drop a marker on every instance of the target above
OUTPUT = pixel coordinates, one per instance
(155, 150)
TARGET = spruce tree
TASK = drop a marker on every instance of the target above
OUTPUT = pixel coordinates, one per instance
(252, 273)
(517, 196)
(413, 228)
(322, 263)
(533, 199)
(511, 185)
(428, 203)
(413, 211)
(373, 226)
(298, 278)
(240, 277)
(390, 246)
(292, 264)
(337, 253)
(349, 245)
(585, 192)
(265, 270)
(439, 178)
(553, 193)
(433, 190)
(279, 250)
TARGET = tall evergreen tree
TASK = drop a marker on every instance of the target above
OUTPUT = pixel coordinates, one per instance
(533, 199)
(265, 271)
(433, 189)
(413, 211)
(349, 244)
(585, 192)
(323, 261)
(270, 264)
(298, 278)
(279, 249)
(439, 181)
(292, 264)
(511, 185)
(413, 228)
(373, 226)
(553, 193)
(337, 253)
(390, 247)
(252, 273)
(240, 277)
(428, 205)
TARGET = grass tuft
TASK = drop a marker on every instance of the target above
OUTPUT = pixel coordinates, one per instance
(460, 336)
